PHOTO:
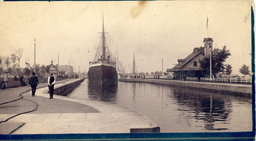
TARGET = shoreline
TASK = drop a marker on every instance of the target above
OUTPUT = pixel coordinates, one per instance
(225, 88)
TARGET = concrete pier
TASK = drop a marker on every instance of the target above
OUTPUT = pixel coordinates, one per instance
(65, 88)
(239, 89)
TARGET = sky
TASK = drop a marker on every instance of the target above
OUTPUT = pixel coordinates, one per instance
(153, 30)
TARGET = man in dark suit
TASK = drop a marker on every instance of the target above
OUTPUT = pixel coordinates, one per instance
(51, 83)
(33, 81)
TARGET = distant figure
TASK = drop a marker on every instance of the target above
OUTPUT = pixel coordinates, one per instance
(51, 82)
(5, 80)
(16, 78)
(22, 83)
(33, 81)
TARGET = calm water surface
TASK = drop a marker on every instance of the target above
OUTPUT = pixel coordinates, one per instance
(175, 109)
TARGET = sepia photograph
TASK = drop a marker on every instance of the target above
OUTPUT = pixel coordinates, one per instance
(127, 70)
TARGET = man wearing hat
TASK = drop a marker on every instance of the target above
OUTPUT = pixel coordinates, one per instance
(33, 81)
(51, 82)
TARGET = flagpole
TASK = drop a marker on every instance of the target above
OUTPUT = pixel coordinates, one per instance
(207, 27)
(211, 65)
(210, 50)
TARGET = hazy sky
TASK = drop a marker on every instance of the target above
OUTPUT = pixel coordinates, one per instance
(154, 30)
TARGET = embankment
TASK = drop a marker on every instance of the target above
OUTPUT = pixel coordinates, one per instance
(67, 87)
(227, 88)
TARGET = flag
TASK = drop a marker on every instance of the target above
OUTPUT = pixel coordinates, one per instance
(207, 22)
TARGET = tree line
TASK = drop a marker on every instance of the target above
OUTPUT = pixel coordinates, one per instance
(219, 57)
(12, 66)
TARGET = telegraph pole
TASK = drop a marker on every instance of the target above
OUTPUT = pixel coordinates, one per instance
(35, 53)
(162, 65)
(133, 63)
(79, 71)
(58, 64)
(211, 65)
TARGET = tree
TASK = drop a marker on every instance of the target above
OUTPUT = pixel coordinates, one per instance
(36, 68)
(8, 61)
(9, 70)
(219, 56)
(1, 70)
(19, 55)
(228, 69)
(41, 72)
(244, 70)
(13, 60)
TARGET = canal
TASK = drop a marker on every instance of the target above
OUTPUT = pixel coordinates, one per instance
(175, 109)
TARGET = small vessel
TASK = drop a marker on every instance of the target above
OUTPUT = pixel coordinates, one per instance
(103, 68)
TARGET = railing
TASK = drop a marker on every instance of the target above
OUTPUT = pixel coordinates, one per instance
(203, 79)
(224, 80)
(192, 78)
(102, 62)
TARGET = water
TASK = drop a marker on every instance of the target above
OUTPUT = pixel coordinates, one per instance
(175, 109)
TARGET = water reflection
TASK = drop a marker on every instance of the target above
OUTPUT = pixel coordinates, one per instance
(103, 92)
(208, 107)
(134, 91)
(175, 109)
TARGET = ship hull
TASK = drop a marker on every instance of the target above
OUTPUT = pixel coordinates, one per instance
(102, 74)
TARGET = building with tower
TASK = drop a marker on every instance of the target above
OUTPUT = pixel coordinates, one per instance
(190, 66)
(53, 70)
(207, 46)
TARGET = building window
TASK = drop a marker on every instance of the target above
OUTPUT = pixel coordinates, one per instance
(195, 63)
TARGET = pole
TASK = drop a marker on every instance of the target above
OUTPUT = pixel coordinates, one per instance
(133, 63)
(210, 64)
(103, 39)
(58, 64)
(34, 53)
(69, 69)
(210, 49)
(208, 32)
(79, 70)
(162, 65)
(6, 78)
(58, 58)
(207, 27)
(117, 61)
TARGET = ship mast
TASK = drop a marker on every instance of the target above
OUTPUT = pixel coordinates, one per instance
(103, 39)
(133, 63)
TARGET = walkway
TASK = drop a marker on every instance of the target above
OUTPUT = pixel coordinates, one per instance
(41, 115)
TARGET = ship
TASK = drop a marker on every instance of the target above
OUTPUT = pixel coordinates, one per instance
(103, 68)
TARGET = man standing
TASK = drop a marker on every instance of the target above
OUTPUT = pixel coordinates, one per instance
(51, 82)
(33, 81)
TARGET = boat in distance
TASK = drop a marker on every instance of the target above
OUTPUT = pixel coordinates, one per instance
(103, 68)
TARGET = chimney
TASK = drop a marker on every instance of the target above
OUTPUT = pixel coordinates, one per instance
(196, 50)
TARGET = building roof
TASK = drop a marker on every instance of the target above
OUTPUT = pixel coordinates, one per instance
(208, 39)
(183, 62)
(52, 68)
